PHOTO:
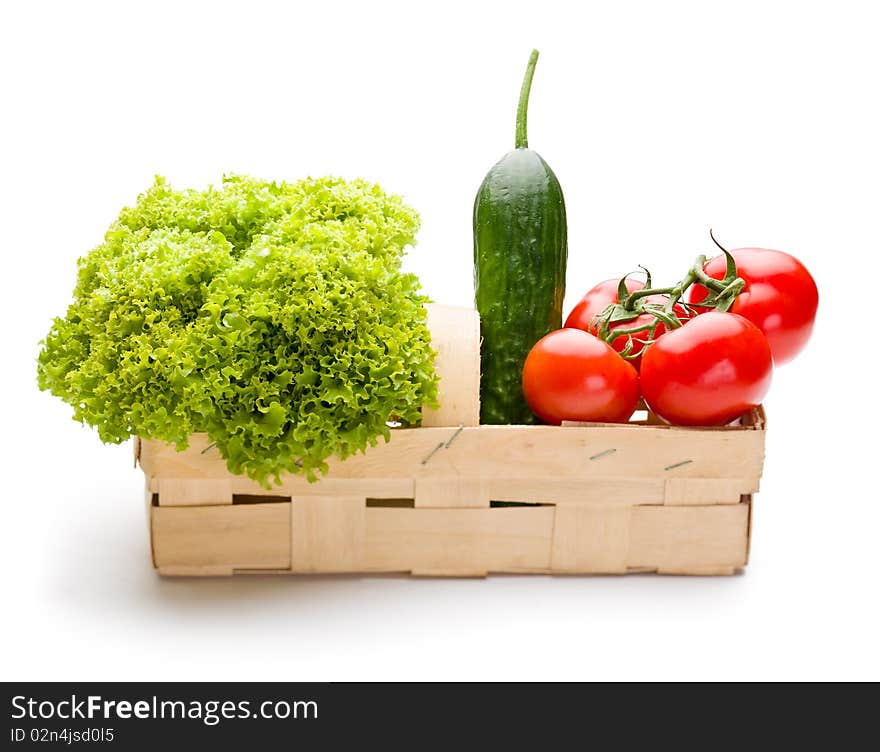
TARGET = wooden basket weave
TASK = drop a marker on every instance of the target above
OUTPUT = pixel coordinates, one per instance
(454, 498)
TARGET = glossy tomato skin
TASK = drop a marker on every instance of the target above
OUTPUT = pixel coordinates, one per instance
(780, 297)
(572, 375)
(709, 372)
(599, 298)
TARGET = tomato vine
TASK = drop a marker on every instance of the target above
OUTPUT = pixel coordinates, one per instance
(632, 305)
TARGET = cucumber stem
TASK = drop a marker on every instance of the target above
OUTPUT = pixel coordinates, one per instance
(522, 110)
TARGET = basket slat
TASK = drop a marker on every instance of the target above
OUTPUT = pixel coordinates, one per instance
(343, 534)
(574, 453)
(252, 536)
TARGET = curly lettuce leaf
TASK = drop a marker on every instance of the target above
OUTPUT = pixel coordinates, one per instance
(273, 316)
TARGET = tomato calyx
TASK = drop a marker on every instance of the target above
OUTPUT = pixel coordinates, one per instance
(664, 305)
(722, 292)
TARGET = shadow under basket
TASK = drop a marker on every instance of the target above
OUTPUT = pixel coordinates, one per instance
(457, 499)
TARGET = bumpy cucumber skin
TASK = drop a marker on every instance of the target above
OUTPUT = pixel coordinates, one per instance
(520, 255)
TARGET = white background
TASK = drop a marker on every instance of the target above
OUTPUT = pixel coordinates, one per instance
(759, 119)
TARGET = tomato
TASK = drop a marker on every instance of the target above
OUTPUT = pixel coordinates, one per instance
(708, 372)
(604, 294)
(572, 375)
(596, 301)
(780, 297)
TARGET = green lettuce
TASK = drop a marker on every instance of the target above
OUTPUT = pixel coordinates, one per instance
(272, 316)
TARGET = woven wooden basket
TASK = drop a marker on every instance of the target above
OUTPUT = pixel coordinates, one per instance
(453, 498)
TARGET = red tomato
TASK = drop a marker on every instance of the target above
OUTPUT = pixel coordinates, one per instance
(780, 297)
(599, 298)
(572, 375)
(709, 372)
(596, 301)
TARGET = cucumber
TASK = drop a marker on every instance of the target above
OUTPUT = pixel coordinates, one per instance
(520, 254)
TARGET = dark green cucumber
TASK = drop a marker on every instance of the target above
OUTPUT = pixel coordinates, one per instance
(520, 253)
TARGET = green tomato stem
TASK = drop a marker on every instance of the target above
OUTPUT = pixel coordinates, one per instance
(727, 296)
(633, 297)
(624, 332)
(668, 318)
(722, 293)
(704, 279)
